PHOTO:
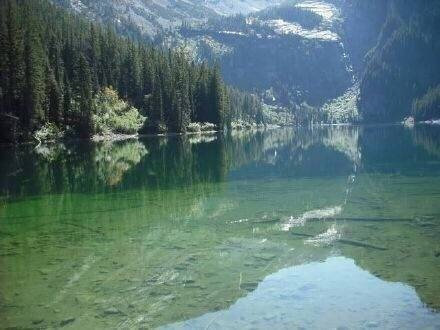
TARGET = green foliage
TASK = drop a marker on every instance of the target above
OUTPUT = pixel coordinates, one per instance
(201, 127)
(48, 132)
(113, 115)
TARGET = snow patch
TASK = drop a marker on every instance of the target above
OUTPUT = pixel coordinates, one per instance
(327, 11)
(237, 33)
(285, 28)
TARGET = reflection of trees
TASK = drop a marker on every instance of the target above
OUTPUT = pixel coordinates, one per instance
(50, 152)
(176, 162)
(113, 160)
(428, 137)
(74, 167)
(172, 161)
(383, 146)
(184, 161)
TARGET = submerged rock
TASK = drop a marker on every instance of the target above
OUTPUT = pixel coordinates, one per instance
(38, 321)
(249, 286)
(265, 256)
(112, 311)
(67, 321)
(372, 325)
(43, 272)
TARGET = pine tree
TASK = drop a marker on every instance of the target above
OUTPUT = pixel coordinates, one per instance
(155, 106)
(15, 63)
(217, 101)
(4, 78)
(34, 91)
(54, 98)
(94, 55)
(83, 97)
(67, 102)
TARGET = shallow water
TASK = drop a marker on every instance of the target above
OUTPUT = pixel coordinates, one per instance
(332, 227)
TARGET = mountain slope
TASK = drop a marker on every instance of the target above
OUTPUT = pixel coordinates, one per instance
(293, 54)
(404, 65)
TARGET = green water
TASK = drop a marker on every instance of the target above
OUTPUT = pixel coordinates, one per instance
(335, 227)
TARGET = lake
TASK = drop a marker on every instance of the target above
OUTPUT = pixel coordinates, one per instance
(330, 227)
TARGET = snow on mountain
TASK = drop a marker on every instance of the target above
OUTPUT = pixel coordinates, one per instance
(282, 27)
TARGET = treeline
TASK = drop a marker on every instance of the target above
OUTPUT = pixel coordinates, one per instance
(52, 64)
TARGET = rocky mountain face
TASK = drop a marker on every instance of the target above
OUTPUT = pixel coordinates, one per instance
(148, 18)
(293, 55)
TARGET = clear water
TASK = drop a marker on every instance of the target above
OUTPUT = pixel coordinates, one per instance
(334, 227)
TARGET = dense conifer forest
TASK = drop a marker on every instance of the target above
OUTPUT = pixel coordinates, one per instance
(59, 70)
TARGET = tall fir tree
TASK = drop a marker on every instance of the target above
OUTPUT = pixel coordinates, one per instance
(34, 90)
(15, 63)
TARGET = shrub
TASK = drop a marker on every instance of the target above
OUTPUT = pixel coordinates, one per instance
(194, 128)
(201, 127)
(48, 132)
(208, 127)
(113, 115)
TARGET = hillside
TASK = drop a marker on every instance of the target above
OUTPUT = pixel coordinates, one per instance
(402, 73)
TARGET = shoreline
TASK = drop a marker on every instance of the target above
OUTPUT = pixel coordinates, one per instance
(123, 137)
(120, 137)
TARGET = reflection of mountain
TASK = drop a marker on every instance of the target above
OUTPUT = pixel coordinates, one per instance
(304, 153)
(294, 296)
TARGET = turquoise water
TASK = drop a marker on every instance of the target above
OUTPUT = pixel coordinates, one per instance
(334, 227)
